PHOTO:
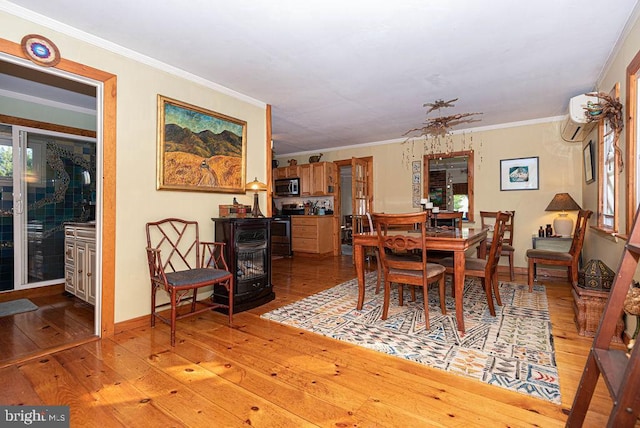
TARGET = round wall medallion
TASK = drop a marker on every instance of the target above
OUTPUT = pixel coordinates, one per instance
(40, 50)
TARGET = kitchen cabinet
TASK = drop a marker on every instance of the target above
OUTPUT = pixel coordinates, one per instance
(312, 234)
(286, 172)
(323, 178)
(316, 179)
(305, 180)
(80, 261)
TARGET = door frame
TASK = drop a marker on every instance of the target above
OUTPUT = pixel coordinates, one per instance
(108, 132)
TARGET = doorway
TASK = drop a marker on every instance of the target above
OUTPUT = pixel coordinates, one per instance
(355, 197)
(105, 94)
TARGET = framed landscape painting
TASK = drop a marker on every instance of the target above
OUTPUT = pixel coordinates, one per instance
(199, 150)
(519, 174)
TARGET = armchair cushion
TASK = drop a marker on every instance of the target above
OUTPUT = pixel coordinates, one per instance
(471, 263)
(549, 255)
(192, 276)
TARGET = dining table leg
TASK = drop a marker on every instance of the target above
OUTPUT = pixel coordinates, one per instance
(358, 254)
(458, 279)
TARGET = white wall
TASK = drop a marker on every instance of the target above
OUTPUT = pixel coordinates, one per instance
(138, 201)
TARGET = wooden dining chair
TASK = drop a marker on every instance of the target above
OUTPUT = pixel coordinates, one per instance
(180, 264)
(376, 253)
(486, 269)
(487, 220)
(447, 219)
(444, 220)
(570, 259)
(414, 271)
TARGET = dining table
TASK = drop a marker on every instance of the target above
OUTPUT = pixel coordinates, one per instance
(458, 241)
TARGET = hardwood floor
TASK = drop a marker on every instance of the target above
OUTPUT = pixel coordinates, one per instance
(60, 319)
(264, 374)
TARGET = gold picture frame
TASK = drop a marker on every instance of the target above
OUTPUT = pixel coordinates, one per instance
(199, 150)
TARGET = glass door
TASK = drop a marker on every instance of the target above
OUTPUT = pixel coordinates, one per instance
(53, 182)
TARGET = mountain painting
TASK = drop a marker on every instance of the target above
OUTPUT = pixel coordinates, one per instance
(199, 150)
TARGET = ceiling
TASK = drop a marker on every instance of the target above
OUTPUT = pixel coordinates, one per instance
(342, 73)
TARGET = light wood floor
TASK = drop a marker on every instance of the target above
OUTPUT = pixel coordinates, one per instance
(264, 374)
(60, 319)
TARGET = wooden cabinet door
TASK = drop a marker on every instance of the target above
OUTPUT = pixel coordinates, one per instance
(80, 263)
(90, 271)
(318, 177)
(306, 180)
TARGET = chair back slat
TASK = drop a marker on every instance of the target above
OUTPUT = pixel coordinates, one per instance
(177, 242)
(392, 240)
(454, 218)
(488, 219)
(497, 240)
(579, 232)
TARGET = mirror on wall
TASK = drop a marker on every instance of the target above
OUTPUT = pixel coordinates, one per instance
(448, 181)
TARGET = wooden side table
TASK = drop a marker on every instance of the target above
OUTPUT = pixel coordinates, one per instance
(588, 306)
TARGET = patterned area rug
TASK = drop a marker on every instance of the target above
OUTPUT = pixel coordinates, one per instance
(513, 350)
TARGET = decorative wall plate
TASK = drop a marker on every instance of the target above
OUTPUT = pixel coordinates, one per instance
(40, 50)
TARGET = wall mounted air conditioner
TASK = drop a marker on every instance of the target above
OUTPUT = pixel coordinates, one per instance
(575, 127)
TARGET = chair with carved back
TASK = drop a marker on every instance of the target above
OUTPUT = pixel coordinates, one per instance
(486, 269)
(487, 220)
(570, 259)
(397, 233)
(180, 264)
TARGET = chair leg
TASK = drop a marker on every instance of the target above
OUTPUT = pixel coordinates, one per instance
(230, 302)
(486, 284)
(443, 303)
(511, 268)
(379, 266)
(174, 311)
(400, 295)
(385, 304)
(153, 306)
(530, 270)
(425, 294)
(496, 288)
(195, 299)
(573, 277)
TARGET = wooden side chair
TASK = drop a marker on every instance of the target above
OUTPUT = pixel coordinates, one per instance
(180, 264)
(376, 253)
(569, 259)
(488, 219)
(448, 219)
(486, 269)
(407, 270)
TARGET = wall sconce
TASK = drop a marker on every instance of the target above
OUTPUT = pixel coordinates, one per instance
(256, 186)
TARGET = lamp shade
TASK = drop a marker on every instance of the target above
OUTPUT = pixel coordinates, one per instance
(256, 186)
(562, 224)
(563, 202)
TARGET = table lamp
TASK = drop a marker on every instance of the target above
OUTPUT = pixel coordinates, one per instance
(256, 186)
(563, 225)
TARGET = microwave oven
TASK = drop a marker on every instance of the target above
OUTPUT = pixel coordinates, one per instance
(287, 187)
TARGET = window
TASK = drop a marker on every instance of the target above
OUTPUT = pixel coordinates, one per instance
(608, 161)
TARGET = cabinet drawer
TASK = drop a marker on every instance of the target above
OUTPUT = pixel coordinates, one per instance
(305, 244)
(304, 221)
(304, 231)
